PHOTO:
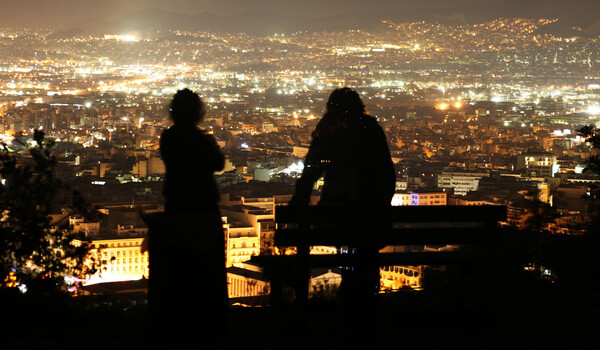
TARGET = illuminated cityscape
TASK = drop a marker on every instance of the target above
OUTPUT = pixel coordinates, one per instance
(459, 104)
(474, 114)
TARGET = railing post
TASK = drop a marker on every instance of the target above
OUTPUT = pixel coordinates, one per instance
(303, 272)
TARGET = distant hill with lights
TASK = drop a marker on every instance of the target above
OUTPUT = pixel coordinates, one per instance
(576, 17)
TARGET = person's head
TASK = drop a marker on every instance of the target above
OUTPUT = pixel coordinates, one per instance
(186, 108)
(345, 101)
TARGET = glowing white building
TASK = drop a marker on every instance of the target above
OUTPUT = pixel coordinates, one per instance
(537, 163)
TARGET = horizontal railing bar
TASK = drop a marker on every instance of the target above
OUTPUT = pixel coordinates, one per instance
(383, 259)
(403, 237)
(391, 214)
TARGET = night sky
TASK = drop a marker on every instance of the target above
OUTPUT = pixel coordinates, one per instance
(43, 9)
(80, 13)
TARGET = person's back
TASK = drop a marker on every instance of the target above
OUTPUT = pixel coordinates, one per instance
(357, 167)
(187, 241)
(191, 157)
(350, 150)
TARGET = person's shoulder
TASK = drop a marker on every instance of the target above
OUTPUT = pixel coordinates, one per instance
(369, 119)
(205, 134)
(172, 130)
(323, 127)
(204, 137)
(366, 121)
(166, 134)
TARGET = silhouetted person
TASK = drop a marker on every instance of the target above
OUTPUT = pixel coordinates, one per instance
(187, 258)
(349, 149)
(191, 157)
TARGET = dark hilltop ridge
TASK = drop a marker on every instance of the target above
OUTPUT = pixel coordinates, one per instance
(577, 17)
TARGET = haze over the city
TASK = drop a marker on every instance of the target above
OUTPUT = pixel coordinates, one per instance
(267, 17)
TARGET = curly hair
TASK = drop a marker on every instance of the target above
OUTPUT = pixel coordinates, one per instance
(344, 102)
(187, 107)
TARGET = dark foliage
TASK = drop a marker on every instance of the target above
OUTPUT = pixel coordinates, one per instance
(34, 253)
(574, 259)
(592, 137)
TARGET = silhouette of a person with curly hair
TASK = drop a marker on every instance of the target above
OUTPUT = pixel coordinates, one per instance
(188, 280)
(350, 151)
(191, 157)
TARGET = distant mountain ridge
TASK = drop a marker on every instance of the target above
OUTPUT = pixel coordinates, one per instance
(253, 23)
(575, 13)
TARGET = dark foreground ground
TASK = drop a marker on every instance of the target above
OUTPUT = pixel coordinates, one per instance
(523, 318)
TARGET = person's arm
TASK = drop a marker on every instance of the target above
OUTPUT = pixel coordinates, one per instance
(216, 159)
(304, 185)
(313, 169)
(388, 171)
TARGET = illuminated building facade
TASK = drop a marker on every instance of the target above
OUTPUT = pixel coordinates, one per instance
(258, 214)
(79, 225)
(324, 282)
(401, 198)
(428, 197)
(397, 277)
(246, 280)
(243, 243)
(121, 259)
(461, 182)
(537, 163)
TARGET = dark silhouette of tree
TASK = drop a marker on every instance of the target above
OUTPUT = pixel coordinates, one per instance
(574, 258)
(592, 164)
(592, 136)
(34, 254)
(541, 214)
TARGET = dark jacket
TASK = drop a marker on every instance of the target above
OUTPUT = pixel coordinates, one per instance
(353, 156)
(191, 157)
